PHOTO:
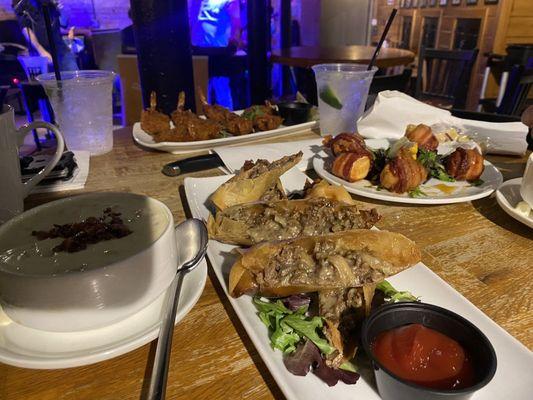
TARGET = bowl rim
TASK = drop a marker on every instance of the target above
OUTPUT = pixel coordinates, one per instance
(365, 340)
(34, 210)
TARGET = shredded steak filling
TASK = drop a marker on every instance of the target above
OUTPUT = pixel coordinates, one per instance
(295, 265)
(320, 218)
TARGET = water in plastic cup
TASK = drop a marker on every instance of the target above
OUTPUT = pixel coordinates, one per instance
(342, 93)
(83, 109)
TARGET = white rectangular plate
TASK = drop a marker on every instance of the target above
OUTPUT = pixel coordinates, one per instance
(144, 139)
(515, 361)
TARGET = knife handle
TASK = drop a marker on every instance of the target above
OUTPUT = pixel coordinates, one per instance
(192, 164)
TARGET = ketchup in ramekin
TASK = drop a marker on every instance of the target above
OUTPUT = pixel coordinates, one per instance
(424, 356)
(420, 351)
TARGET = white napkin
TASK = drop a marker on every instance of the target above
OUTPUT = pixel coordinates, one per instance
(234, 157)
(77, 181)
(393, 111)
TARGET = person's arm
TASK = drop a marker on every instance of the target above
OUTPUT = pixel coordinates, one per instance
(235, 21)
(63, 17)
(31, 38)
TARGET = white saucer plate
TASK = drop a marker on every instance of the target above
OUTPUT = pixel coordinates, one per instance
(459, 191)
(513, 376)
(31, 348)
(508, 196)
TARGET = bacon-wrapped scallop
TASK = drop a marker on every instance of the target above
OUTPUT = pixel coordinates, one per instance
(423, 136)
(403, 173)
(352, 167)
(465, 164)
(345, 143)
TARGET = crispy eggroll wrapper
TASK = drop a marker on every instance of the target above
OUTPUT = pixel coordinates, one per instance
(313, 264)
(252, 223)
(274, 193)
(250, 185)
(344, 311)
(328, 191)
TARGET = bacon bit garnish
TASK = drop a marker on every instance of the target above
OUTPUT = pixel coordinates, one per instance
(92, 230)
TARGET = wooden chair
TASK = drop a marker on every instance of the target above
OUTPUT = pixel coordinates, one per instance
(444, 76)
(130, 88)
(131, 85)
(34, 98)
(517, 91)
(492, 117)
(10, 33)
(399, 82)
(11, 72)
(33, 66)
(33, 94)
(484, 116)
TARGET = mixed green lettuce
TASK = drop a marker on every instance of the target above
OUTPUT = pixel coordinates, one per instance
(287, 328)
(416, 192)
(435, 165)
(394, 296)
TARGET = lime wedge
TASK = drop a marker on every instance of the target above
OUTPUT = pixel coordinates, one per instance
(328, 96)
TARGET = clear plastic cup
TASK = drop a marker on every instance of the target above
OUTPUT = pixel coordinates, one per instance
(83, 109)
(342, 93)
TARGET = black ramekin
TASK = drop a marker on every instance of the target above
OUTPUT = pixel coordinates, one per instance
(294, 112)
(476, 344)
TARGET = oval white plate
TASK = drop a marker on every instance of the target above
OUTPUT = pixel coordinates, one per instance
(31, 348)
(144, 139)
(492, 179)
(508, 196)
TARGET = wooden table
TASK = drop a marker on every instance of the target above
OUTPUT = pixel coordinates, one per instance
(483, 253)
(307, 56)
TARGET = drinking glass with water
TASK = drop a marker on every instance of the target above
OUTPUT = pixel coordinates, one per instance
(342, 93)
(82, 104)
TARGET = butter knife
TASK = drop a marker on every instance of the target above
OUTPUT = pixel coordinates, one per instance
(192, 164)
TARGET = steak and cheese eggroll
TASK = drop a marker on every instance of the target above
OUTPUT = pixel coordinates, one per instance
(343, 311)
(321, 188)
(313, 264)
(255, 181)
(252, 223)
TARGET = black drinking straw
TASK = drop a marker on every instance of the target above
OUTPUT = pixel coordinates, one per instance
(53, 51)
(382, 39)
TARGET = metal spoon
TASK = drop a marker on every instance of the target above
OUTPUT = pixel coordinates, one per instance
(191, 236)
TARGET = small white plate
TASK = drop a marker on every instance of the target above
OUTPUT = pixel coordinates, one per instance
(508, 196)
(461, 191)
(31, 348)
(146, 140)
(513, 374)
